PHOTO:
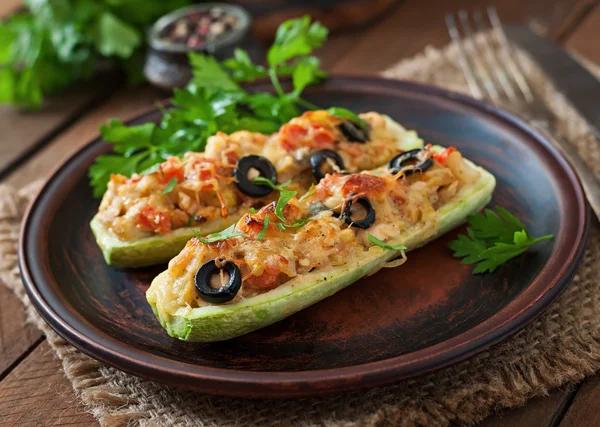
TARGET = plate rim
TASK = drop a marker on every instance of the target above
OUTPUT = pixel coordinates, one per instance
(333, 380)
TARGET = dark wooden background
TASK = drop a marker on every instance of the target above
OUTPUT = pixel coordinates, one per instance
(33, 389)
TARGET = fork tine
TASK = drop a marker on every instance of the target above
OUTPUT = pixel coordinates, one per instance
(490, 55)
(515, 69)
(474, 56)
(472, 82)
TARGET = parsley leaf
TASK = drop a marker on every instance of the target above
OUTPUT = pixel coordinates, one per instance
(384, 245)
(242, 68)
(116, 38)
(308, 193)
(252, 211)
(284, 197)
(104, 166)
(170, 186)
(228, 233)
(304, 74)
(296, 37)
(261, 180)
(344, 113)
(263, 231)
(492, 239)
(300, 222)
(208, 73)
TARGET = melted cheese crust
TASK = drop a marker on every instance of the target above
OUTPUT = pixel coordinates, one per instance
(134, 208)
(400, 203)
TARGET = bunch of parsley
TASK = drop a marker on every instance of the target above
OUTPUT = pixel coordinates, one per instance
(58, 42)
(215, 101)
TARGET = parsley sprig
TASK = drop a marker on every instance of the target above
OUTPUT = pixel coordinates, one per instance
(492, 239)
(170, 186)
(384, 245)
(261, 180)
(57, 42)
(284, 197)
(215, 101)
(228, 233)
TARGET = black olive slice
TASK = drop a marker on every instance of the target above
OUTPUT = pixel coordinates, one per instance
(319, 158)
(369, 218)
(410, 158)
(223, 294)
(264, 167)
(354, 132)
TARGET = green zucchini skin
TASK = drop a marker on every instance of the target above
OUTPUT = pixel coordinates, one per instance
(151, 250)
(222, 322)
(160, 249)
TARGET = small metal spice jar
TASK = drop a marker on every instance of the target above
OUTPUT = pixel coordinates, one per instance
(212, 28)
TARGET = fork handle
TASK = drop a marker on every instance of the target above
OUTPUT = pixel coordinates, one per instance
(589, 180)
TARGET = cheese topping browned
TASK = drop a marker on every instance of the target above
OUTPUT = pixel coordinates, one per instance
(327, 240)
(204, 186)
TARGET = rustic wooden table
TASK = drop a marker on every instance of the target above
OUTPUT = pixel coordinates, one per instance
(33, 390)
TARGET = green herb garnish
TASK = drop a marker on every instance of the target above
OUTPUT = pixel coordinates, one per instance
(310, 191)
(492, 239)
(284, 197)
(228, 233)
(57, 42)
(300, 222)
(280, 226)
(263, 231)
(261, 180)
(252, 211)
(384, 245)
(213, 100)
(170, 186)
(344, 113)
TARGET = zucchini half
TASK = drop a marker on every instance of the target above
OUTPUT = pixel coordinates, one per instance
(222, 322)
(161, 248)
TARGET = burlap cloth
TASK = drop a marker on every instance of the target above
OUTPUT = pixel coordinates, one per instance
(561, 347)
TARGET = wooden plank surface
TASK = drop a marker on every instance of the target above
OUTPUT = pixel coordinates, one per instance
(584, 409)
(125, 103)
(37, 393)
(402, 33)
(16, 336)
(541, 411)
(9, 6)
(24, 131)
(586, 39)
(416, 24)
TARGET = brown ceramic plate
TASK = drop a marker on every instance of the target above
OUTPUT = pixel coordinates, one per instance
(399, 323)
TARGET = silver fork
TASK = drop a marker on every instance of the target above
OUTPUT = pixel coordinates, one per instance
(493, 73)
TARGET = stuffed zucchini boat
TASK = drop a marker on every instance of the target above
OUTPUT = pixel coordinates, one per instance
(294, 252)
(147, 219)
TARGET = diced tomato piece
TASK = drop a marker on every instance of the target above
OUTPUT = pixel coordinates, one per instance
(294, 131)
(363, 183)
(250, 224)
(442, 156)
(267, 280)
(154, 220)
(170, 169)
(205, 173)
(323, 137)
(232, 158)
(292, 136)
